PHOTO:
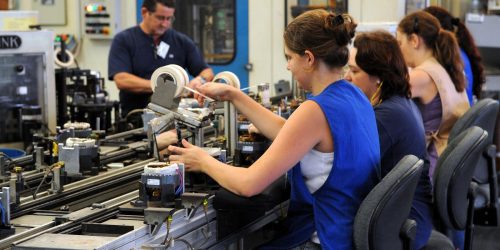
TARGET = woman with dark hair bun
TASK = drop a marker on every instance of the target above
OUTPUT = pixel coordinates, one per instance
(329, 146)
(437, 80)
(473, 68)
(377, 67)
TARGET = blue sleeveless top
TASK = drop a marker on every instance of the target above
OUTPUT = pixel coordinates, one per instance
(468, 75)
(331, 209)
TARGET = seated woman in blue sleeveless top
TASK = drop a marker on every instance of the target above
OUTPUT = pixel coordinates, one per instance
(377, 67)
(329, 145)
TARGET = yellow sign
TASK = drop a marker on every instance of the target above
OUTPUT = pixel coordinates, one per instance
(18, 23)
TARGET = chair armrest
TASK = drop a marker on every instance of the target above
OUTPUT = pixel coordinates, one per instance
(492, 173)
(408, 233)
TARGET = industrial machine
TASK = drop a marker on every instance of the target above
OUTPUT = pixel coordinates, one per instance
(81, 97)
(168, 84)
(27, 90)
(102, 191)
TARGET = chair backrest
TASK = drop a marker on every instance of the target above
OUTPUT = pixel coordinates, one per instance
(385, 209)
(484, 115)
(453, 175)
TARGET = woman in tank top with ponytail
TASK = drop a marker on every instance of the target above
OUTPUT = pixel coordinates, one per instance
(436, 77)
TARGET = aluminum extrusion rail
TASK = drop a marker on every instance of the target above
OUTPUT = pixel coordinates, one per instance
(80, 188)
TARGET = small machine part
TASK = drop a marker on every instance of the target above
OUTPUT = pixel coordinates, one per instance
(77, 125)
(4, 167)
(249, 146)
(56, 186)
(81, 97)
(31, 122)
(5, 226)
(80, 156)
(230, 124)
(192, 201)
(39, 157)
(74, 130)
(265, 94)
(161, 184)
(147, 116)
(16, 185)
(156, 216)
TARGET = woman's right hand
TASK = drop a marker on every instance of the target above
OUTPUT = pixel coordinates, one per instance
(217, 91)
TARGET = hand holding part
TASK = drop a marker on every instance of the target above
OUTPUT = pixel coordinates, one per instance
(217, 91)
(192, 156)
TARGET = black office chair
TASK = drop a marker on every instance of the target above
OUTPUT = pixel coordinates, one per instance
(454, 191)
(484, 115)
(382, 219)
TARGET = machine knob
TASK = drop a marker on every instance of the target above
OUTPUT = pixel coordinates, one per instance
(19, 68)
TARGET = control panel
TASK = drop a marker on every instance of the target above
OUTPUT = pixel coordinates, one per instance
(101, 18)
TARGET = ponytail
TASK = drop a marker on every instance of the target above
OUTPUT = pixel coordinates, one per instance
(447, 53)
(466, 42)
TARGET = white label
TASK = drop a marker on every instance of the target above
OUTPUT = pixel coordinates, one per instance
(22, 90)
(153, 182)
(244, 126)
(475, 18)
(247, 149)
(162, 49)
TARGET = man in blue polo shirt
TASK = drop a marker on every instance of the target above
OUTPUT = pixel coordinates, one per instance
(138, 51)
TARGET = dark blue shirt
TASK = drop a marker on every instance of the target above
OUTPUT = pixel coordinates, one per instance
(133, 51)
(401, 133)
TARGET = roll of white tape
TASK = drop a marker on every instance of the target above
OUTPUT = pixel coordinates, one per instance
(71, 58)
(176, 72)
(227, 77)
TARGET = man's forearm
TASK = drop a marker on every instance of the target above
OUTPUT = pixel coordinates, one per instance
(132, 83)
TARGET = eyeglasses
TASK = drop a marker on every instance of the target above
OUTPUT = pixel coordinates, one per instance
(163, 18)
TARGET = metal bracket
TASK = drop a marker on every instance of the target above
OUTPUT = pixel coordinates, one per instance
(192, 201)
(155, 216)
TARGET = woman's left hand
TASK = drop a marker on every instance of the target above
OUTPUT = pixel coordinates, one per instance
(192, 156)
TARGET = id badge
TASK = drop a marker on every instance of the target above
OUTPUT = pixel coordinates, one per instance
(162, 49)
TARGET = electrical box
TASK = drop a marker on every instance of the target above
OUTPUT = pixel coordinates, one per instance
(52, 12)
(101, 18)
